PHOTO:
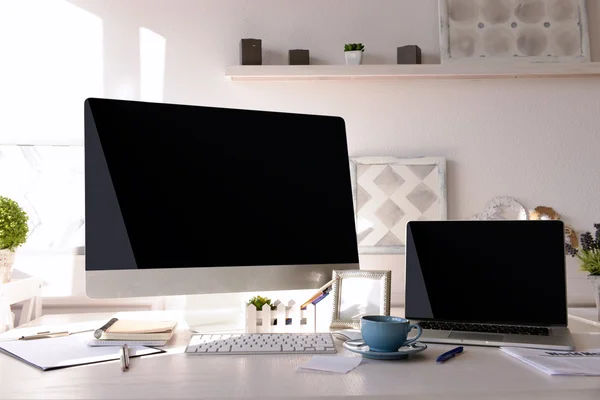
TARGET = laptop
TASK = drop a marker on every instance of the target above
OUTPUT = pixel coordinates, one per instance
(490, 283)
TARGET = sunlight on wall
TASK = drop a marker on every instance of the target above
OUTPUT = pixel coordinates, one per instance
(48, 183)
(52, 60)
(152, 65)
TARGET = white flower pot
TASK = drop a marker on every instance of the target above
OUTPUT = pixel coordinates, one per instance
(7, 259)
(353, 57)
(595, 279)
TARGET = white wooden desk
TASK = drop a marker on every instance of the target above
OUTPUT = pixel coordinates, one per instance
(478, 373)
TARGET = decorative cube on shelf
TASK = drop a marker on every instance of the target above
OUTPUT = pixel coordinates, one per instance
(299, 57)
(251, 52)
(283, 318)
(409, 54)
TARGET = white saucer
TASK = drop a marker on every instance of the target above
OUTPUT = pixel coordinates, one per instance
(360, 347)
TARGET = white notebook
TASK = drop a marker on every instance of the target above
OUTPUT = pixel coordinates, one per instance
(139, 330)
(583, 362)
(66, 351)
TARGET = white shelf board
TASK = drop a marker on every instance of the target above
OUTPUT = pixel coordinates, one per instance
(474, 71)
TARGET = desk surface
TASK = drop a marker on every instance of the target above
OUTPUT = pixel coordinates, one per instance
(479, 373)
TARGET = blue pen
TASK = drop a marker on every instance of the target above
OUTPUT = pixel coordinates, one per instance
(449, 354)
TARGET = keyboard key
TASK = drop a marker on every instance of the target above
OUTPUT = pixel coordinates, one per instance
(271, 349)
(195, 340)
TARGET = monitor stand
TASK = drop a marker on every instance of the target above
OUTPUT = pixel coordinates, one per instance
(226, 312)
(215, 313)
(199, 323)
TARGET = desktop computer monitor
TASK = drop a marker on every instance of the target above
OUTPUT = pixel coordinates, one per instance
(183, 199)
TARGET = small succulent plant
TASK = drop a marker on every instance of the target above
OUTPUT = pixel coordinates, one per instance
(354, 47)
(260, 301)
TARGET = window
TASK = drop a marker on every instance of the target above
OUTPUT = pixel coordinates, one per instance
(54, 58)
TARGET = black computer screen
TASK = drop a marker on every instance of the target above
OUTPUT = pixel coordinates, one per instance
(505, 272)
(189, 186)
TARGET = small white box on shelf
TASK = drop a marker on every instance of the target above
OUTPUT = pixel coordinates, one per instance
(283, 319)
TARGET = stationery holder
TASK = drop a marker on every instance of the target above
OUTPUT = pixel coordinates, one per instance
(283, 319)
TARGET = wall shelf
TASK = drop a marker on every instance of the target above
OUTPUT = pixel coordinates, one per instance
(475, 71)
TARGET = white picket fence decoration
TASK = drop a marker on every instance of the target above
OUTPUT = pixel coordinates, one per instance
(302, 321)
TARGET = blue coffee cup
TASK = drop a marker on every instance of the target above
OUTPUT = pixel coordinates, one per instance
(386, 333)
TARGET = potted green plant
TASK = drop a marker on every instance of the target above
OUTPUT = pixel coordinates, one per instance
(13, 233)
(589, 254)
(354, 53)
(260, 301)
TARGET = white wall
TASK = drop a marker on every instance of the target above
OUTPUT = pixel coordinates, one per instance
(536, 140)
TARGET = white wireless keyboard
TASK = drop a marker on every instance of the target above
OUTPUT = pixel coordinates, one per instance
(261, 343)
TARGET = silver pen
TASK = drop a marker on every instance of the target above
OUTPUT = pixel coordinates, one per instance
(48, 334)
(124, 358)
(126, 355)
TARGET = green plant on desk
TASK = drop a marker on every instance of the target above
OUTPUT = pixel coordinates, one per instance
(589, 252)
(589, 255)
(260, 301)
(13, 224)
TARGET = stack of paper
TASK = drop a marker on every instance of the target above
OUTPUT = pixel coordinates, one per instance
(559, 362)
(65, 351)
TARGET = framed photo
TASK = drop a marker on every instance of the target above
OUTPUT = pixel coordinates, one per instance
(514, 31)
(388, 192)
(357, 293)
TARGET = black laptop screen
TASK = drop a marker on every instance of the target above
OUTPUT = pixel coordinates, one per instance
(502, 272)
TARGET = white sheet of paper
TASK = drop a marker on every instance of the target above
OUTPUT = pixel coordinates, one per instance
(340, 365)
(66, 351)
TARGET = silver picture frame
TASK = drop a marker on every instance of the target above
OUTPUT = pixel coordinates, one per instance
(357, 293)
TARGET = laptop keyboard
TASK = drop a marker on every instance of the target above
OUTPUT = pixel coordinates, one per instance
(457, 326)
